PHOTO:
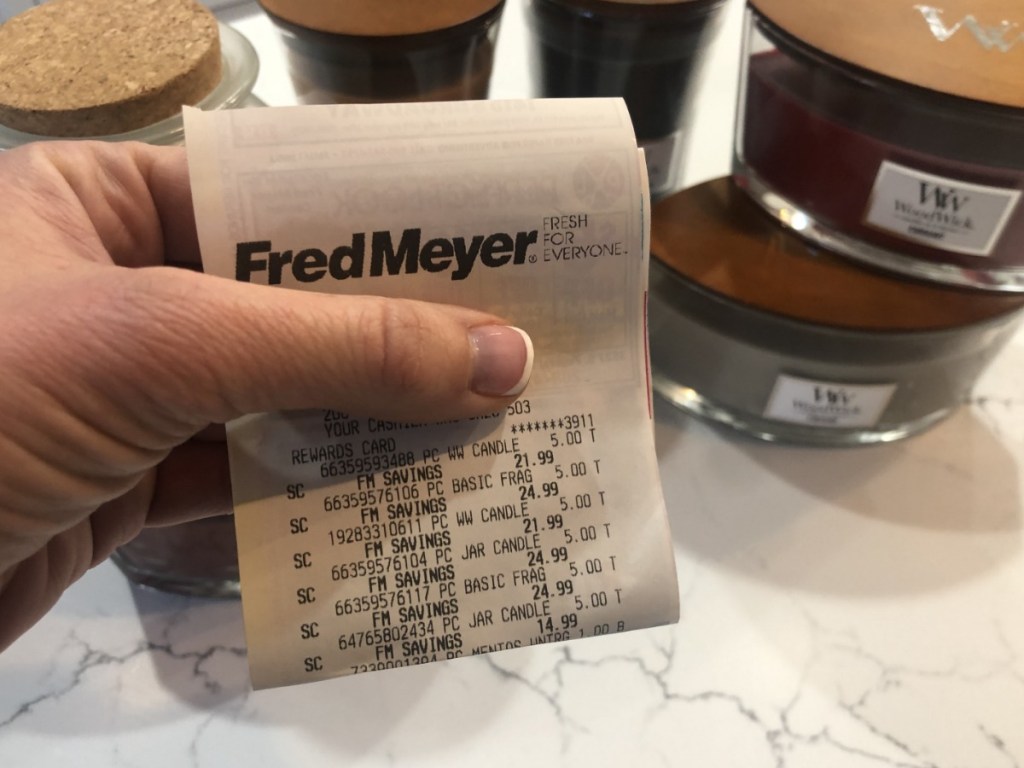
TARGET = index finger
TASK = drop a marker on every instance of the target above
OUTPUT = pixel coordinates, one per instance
(166, 170)
(135, 198)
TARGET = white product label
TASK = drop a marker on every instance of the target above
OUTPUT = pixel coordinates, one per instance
(944, 213)
(826, 403)
(368, 545)
(662, 156)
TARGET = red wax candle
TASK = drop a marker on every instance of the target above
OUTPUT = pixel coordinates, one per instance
(881, 169)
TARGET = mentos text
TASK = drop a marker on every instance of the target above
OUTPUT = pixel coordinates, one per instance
(457, 255)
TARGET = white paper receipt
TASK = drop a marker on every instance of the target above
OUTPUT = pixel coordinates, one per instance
(367, 544)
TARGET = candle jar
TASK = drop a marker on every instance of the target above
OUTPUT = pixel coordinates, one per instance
(891, 133)
(357, 51)
(754, 328)
(646, 52)
(198, 558)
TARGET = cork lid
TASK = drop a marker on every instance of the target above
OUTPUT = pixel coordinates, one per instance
(968, 48)
(378, 18)
(98, 67)
(714, 235)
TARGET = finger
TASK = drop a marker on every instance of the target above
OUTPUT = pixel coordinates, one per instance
(133, 200)
(261, 349)
(193, 482)
(214, 433)
(30, 587)
(166, 175)
(196, 349)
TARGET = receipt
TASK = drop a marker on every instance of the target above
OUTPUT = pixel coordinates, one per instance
(367, 544)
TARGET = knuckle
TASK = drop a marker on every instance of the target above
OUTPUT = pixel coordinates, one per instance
(155, 329)
(395, 339)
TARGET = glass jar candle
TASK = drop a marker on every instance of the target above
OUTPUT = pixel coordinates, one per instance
(356, 51)
(754, 328)
(890, 132)
(97, 101)
(198, 558)
(647, 52)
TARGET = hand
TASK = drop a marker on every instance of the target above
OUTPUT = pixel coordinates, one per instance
(115, 365)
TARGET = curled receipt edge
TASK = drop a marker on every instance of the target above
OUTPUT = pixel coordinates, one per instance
(366, 544)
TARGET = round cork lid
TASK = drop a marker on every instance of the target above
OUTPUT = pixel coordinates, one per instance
(378, 18)
(98, 67)
(714, 235)
(968, 48)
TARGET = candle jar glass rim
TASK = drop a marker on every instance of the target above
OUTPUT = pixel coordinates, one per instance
(617, 25)
(336, 44)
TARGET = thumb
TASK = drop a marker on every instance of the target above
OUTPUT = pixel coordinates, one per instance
(195, 349)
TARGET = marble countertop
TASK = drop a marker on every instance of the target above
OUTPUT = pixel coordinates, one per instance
(840, 608)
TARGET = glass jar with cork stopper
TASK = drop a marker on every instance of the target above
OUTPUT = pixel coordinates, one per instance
(117, 70)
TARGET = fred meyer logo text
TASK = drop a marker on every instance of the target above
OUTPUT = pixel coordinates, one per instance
(457, 255)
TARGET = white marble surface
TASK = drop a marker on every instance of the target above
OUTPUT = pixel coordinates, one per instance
(841, 609)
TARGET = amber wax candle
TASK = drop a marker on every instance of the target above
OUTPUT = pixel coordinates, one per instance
(891, 132)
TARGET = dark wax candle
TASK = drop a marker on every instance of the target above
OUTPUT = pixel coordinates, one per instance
(197, 558)
(426, 53)
(647, 53)
(752, 327)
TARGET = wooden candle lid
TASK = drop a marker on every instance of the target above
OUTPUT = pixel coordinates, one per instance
(968, 48)
(715, 235)
(378, 18)
(657, 2)
(99, 67)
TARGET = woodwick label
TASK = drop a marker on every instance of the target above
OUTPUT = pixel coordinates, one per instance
(827, 404)
(944, 213)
